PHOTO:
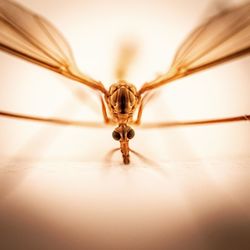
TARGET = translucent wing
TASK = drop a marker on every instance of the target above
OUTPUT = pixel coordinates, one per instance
(221, 38)
(31, 37)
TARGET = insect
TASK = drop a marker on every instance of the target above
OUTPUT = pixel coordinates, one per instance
(223, 37)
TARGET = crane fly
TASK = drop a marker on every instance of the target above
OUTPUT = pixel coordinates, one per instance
(221, 38)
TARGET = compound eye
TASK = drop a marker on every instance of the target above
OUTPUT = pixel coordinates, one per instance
(131, 134)
(116, 135)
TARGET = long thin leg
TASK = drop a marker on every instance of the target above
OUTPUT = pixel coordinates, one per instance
(192, 123)
(104, 112)
(54, 121)
(146, 98)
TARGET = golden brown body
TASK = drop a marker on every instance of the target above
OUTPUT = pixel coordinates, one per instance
(123, 100)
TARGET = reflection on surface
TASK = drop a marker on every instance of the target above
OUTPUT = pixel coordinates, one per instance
(87, 206)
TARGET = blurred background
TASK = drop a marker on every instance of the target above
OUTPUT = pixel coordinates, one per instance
(57, 190)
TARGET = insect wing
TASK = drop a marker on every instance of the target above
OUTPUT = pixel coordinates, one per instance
(31, 37)
(221, 38)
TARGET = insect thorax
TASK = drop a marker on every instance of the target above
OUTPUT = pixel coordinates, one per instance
(122, 101)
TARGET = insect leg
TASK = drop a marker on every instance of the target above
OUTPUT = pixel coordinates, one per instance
(145, 99)
(104, 112)
(139, 115)
(195, 122)
(55, 121)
